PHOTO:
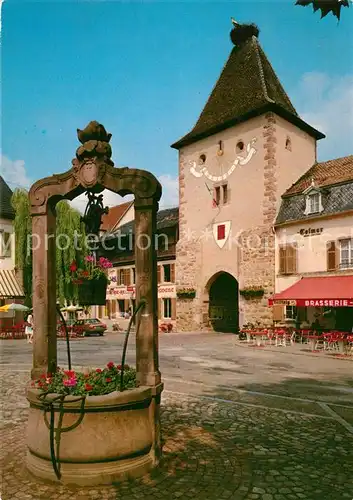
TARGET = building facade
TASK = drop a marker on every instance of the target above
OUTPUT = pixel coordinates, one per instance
(10, 287)
(314, 248)
(119, 248)
(247, 147)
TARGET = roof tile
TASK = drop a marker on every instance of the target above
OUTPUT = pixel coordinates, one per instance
(325, 173)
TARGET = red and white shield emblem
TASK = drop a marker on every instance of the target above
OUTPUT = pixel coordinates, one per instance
(221, 232)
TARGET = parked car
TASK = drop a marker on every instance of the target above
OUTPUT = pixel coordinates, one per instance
(89, 326)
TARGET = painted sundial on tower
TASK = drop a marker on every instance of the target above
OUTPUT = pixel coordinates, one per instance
(220, 169)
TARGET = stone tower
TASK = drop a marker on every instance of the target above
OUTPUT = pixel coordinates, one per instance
(247, 147)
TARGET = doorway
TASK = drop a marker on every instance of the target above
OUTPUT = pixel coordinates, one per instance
(224, 303)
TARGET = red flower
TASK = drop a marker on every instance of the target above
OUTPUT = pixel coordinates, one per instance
(88, 387)
(70, 373)
(85, 273)
(110, 365)
(108, 380)
(42, 376)
(99, 370)
(118, 367)
(86, 375)
(73, 266)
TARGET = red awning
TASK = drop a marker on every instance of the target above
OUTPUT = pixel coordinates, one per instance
(329, 291)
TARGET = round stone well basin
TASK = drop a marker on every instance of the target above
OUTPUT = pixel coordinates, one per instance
(117, 439)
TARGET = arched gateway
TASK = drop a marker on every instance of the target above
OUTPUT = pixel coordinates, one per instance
(223, 312)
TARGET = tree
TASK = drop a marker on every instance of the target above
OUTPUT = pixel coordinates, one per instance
(326, 6)
(23, 231)
(70, 238)
(70, 246)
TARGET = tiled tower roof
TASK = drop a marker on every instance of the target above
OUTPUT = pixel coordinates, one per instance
(247, 87)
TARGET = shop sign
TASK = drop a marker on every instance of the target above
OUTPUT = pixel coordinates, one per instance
(283, 302)
(311, 231)
(314, 302)
(327, 303)
(166, 291)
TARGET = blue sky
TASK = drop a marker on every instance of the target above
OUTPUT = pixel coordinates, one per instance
(145, 70)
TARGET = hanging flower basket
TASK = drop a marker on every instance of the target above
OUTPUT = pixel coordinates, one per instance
(91, 280)
(92, 292)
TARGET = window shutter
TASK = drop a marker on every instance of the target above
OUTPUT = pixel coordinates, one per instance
(282, 260)
(331, 256)
(159, 268)
(291, 259)
(278, 313)
(160, 304)
(173, 315)
(172, 273)
(127, 277)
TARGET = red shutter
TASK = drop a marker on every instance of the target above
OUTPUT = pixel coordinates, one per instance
(331, 256)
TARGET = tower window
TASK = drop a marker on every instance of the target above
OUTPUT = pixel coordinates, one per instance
(240, 146)
(225, 193)
(202, 159)
(288, 144)
(217, 195)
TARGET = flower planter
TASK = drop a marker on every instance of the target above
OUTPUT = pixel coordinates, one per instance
(117, 439)
(92, 292)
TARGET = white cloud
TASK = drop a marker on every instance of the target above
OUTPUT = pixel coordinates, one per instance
(110, 199)
(326, 103)
(170, 190)
(14, 173)
(170, 195)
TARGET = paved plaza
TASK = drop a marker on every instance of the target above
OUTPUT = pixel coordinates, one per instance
(238, 422)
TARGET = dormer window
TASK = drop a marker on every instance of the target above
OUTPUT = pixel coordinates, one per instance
(313, 201)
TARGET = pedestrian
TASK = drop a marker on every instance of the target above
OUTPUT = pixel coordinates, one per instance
(29, 328)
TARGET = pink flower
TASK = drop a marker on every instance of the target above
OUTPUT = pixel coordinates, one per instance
(71, 382)
(89, 258)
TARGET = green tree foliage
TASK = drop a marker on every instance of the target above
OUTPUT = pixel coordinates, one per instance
(69, 247)
(23, 231)
(70, 237)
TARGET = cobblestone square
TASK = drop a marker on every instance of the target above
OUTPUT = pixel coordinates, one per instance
(218, 444)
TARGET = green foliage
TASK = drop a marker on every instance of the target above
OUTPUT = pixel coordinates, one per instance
(186, 293)
(23, 231)
(95, 383)
(68, 246)
(252, 292)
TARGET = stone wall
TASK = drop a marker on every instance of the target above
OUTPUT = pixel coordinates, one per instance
(258, 269)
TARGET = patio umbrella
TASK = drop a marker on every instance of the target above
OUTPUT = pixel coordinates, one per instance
(13, 307)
